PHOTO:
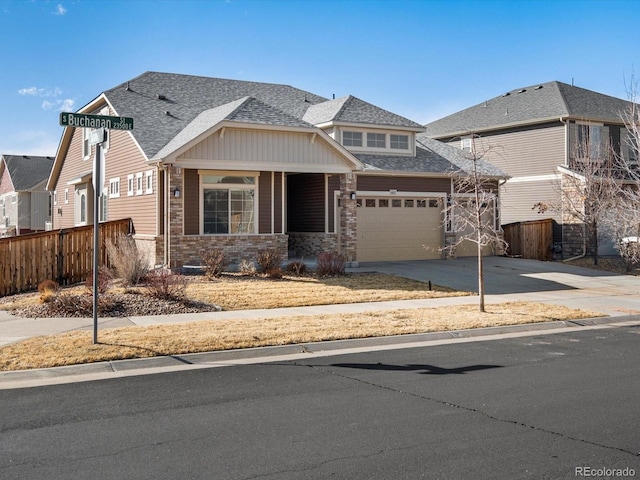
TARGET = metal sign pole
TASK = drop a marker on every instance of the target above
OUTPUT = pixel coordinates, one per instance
(96, 237)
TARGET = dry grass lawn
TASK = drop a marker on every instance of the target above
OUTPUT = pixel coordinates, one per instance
(135, 342)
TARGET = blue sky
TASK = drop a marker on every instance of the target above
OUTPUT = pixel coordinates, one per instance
(422, 59)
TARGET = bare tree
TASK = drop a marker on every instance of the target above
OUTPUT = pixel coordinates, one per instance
(587, 189)
(472, 208)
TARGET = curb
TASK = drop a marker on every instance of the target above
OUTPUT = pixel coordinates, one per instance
(174, 363)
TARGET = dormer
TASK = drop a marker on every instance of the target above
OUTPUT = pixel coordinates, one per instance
(364, 128)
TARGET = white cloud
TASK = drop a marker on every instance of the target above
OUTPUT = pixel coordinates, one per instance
(68, 105)
(41, 92)
(32, 91)
(60, 10)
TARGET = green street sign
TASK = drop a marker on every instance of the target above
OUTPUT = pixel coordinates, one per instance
(83, 120)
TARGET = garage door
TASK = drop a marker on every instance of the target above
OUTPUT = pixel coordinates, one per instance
(398, 228)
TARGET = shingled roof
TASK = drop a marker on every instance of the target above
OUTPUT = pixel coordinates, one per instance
(432, 156)
(352, 110)
(27, 172)
(533, 104)
(164, 104)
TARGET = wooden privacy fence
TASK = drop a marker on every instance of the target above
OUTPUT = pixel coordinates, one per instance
(64, 255)
(530, 239)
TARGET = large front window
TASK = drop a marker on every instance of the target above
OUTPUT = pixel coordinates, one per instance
(228, 204)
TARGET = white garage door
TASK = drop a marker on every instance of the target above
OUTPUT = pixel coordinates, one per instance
(399, 228)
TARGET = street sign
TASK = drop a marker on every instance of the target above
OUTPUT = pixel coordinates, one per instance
(83, 120)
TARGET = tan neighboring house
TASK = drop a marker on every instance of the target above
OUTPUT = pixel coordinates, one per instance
(25, 205)
(243, 166)
(537, 130)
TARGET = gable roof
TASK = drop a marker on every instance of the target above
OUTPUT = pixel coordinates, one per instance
(164, 104)
(27, 172)
(245, 110)
(433, 157)
(530, 105)
(352, 110)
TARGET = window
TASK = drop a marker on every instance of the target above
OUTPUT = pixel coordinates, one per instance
(148, 182)
(352, 139)
(114, 188)
(66, 195)
(139, 183)
(86, 146)
(421, 203)
(14, 199)
(376, 140)
(370, 202)
(102, 208)
(396, 202)
(383, 203)
(55, 197)
(589, 141)
(408, 203)
(465, 144)
(399, 142)
(130, 184)
(228, 204)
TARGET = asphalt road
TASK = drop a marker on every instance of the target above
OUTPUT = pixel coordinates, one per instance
(536, 407)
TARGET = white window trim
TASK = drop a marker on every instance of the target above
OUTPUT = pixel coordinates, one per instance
(139, 183)
(148, 182)
(114, 182)
(130, 185)
(228, 186)
(387, 135)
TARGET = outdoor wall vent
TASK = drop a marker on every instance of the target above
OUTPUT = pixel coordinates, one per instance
(506, 94)
(128, 88)
(161, 97)
(522, 90)
(167, 112)
(538, 87)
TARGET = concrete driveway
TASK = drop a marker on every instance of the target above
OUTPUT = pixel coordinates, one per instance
(520, 279)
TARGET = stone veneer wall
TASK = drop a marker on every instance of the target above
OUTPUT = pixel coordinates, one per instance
(572, 228)
(187, 249)
(309, 245)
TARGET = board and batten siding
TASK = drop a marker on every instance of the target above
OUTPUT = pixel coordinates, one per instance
(258, 146)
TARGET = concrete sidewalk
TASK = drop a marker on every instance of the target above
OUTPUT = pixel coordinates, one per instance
(506, 280)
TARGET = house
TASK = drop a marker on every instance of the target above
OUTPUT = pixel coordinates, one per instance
(538, 131)
(243, 166)
(25, 205)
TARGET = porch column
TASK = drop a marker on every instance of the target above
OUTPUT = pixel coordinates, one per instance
(176, 212)
(348, 217)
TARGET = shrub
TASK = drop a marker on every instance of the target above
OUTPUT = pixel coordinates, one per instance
(297, 268)
(104, 280)
(247, 267)
(48, 290)
(163, 283)
(70, 305)
(269, 259)
(274, 273)
(215, 262)
(331, 263)
(129, 264)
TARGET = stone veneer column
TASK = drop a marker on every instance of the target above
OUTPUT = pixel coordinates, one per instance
(348, 217)
(176, 212)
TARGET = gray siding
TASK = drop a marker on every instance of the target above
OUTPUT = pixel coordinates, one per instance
(518, 200)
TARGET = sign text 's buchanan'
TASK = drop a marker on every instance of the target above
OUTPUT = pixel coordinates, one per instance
(83, 120)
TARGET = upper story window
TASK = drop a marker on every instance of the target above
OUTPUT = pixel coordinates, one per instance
(352, 139)
(399, 142)
(465, 144)
(376, 140)
(590, 141)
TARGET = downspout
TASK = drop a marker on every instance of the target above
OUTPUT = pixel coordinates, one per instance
(165, 256)
(566, 163)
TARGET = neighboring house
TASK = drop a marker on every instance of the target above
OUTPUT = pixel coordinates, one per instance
(536, 133)
(242, 166)
(25, 205)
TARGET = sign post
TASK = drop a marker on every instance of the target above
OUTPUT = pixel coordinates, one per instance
(99, 124)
